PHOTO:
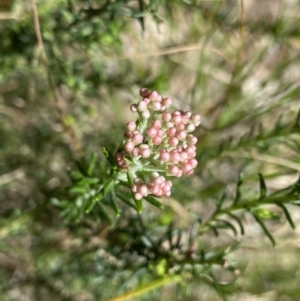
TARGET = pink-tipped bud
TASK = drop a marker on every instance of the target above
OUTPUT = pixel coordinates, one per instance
(176, 117)
(155, 189)
(143, 190)
(180, 126)
(138, 181)
(144, 92)
(134, 188)
(156, 106)
(171, 132)
(159, 98)
(196, 119)
(166, 117)
(142, 106)
(153, 95)
(181, 135)
(173, 141)
(160, 133)
(191, 140)
(146, 100)
(129, 146)
(131, 126)
(186, 167)
(153, 175)
(157, 124)
(159, 180)
(193, 162)
(157, 140)
(151, 132)
(146, 114)
(173, 170)
(145, 152)
(190, 127)
(128, 134)
(138, 196)
(190, 150)
(167, 102)
(137, 138)
(135, 152)
(183, 156)
(133, 108)
(175, 155)
(164, 155)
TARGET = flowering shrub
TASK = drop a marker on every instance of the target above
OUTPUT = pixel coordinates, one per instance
(159, 143)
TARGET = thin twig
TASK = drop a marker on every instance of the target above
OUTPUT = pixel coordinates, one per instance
(265, 158)
(75, 144)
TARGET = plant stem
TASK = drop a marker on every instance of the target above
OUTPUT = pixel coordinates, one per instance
(151, 286)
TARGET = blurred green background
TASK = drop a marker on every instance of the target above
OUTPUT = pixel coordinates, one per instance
(236, 63)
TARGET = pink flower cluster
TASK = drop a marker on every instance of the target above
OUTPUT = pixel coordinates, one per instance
(157, 186)
(160, 140)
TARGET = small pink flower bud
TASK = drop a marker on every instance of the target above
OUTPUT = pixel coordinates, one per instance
(153, 95)
(180, 126)
(171, 132)
(135, 152)
(176, 117)
(133, 108)
(142, 106)
(154, 175)
(131, 126)
(144, 92)
(146, 100)
(190, 151)
(184, 156)
(191, 140)
(157, 140)
(145, 153)
(160, 133)
(159, 180)
(157, 124)
(128, 134)
(138, 181)
(138, 196)
(173, 170)
(181, 135)
(196, 119)
(175, 155)
(167, 102)
(143, 190)
(137, 138)
(164, 155)
(166, 117)
(146, 114)
(156, 106)
(155, 189)
(134, 188)
(186, 167)
(159, 98)
(151, 132)
(193, 162)
(129, 146)
(190, 127)
(173, 141)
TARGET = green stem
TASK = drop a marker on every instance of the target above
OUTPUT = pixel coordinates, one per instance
(149, 287)
(245, 205)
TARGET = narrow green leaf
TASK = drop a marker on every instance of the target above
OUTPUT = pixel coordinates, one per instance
(109, 156)
(220, 201)
(287, 215)
(126, 200)
(238, 189)
(264, 228)
(139, 206)
(227, 225)
(238, 221)
(78, 190)
(262, 187)
(92, 163)
(114, 202)
(214, 229)
(104, 213)
(150, 199)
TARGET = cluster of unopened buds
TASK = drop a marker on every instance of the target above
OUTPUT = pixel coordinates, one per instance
(158, 142)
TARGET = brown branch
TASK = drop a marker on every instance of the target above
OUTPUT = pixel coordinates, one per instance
(74, 143)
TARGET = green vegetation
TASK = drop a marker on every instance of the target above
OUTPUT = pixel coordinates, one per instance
(229, 231)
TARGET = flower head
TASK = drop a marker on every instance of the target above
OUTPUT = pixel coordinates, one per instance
(159, 142)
